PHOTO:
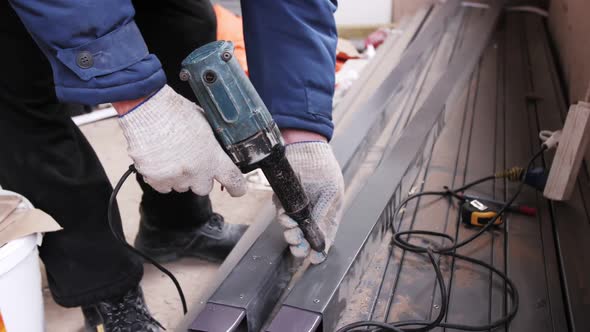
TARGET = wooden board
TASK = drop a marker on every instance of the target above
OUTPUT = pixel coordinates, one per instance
(572, 148)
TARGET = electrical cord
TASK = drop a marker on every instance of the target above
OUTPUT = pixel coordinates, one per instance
(119, 236)
(450, 251)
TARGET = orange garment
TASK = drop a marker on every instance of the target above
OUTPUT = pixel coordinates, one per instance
(229, 27)
(2, 327)
(339, 64)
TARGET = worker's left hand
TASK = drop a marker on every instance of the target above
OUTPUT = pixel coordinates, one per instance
(322, 180)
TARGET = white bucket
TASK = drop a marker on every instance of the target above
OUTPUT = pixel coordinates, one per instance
(21, 299)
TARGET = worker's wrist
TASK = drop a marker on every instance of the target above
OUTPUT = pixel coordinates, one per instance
(125, 106)
(298, 135)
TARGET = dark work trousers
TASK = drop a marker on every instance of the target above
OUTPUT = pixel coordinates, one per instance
(45, 157)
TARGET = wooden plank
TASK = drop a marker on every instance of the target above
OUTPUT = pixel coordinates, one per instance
(573, 145)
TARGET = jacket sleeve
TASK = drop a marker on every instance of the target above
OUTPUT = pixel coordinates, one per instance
(291, 51)
(96, 51)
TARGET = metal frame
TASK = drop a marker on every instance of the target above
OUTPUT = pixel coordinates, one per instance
(252, 278)
(324, 289)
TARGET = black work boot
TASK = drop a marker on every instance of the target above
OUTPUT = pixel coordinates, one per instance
(126, 314)
(212, 240)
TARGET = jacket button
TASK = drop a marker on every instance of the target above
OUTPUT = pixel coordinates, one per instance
(84, 60)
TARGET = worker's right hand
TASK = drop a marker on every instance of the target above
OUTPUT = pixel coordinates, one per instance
(174, 148)
(321, 178)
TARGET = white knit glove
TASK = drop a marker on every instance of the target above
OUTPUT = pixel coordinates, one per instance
(173, 147)
(322, 180)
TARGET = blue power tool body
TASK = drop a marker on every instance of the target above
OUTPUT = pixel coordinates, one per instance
(245, 129)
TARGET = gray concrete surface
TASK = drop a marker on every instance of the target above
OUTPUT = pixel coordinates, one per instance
(193, 274)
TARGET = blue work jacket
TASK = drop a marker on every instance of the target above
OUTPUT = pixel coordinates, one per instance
(98, 54)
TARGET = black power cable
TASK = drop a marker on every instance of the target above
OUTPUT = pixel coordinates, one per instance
(121, 238)
(425, 325)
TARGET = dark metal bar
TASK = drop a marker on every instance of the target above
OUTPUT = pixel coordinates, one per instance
(243, 254)
(325, 288)
(256, 283)
(219, 318)
(295, 320)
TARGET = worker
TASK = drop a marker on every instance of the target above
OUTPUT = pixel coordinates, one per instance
(128, 53)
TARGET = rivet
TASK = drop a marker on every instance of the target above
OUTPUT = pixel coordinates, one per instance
(184, 75)
(226, 56)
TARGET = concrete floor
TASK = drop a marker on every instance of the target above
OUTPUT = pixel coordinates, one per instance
(193, 274)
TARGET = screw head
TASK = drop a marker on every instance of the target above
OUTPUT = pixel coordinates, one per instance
(184, 75)
(209, 76)
(316, 301)
(226, 56)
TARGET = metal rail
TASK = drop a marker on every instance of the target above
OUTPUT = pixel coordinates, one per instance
(323, 290)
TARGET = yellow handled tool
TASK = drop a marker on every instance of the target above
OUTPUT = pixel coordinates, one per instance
(475, 213)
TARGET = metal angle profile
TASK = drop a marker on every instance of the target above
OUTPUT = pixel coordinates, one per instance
(324, 289)
(386, 58)
(414, 54)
